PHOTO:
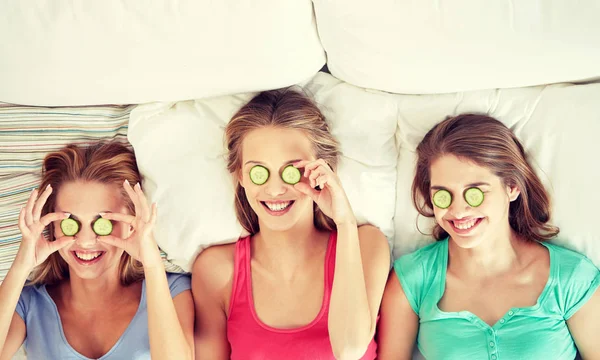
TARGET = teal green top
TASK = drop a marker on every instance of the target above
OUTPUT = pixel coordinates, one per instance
(536, 332)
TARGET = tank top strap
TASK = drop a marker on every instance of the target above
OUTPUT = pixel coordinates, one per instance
(239, 289)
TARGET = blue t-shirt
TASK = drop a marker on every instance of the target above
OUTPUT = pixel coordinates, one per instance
(536, 332)
(46, 339)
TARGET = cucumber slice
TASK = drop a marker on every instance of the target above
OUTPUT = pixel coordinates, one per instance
(442, 199)
(291, 175)
(69, 227)
(259, 174)
(474, 196)
(102, 226)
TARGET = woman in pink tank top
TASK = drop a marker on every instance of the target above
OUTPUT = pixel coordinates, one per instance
(307, 283)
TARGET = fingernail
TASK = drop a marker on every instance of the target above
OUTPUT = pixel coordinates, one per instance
(68, 214)
(126, 181)
(137, 185)
(102, 214)
(48, 187)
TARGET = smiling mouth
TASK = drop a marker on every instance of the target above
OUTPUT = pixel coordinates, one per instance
(87, 257)
(277, 208)
(465, 226)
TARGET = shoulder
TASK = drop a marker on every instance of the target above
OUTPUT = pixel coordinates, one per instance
(213, 269)
(424, 257)
(373, 243)
(178, 283)
(570, 266)
(31, 299)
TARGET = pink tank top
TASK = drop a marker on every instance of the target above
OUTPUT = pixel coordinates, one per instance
(251, 339)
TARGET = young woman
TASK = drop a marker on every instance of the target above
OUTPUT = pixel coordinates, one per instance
(99, 288)
(491, 287)
(307, 283)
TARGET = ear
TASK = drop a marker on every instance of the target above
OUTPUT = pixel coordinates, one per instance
(513, 192)
(240, 178)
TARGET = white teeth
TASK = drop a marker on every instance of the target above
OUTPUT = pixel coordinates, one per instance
(278, 206)
(464, 225)
(88, 256)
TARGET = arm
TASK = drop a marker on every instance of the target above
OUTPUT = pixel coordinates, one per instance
(362, 263)
(12, 327)
(212, 276)
(33, 250)
(169, 320)
(585, 327)
(398, 326)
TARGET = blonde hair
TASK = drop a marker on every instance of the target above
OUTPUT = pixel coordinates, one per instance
(287, 109)
(108, 163)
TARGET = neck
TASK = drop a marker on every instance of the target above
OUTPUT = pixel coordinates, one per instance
(493, 256)
(96, 293)
(287, 252)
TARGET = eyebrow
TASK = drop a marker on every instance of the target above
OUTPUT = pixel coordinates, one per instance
(261, 163)
(437, 187)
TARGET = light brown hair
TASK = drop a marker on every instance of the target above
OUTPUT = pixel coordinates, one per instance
(283, 108)
(488, 143)
(108, 163)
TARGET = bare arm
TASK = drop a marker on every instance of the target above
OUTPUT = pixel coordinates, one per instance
(585, 327)
(361, 267)
(170, 321)
(398, 325)
(12, 327)
(211, 283)
(361, 264)
(33, 250)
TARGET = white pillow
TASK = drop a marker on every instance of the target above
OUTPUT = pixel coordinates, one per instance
(64, 52)
(558, 126)
(180, 152)
(424, 47)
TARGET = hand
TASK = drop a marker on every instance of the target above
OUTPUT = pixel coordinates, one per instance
(140, 244)
(35, 248)
(331, 199)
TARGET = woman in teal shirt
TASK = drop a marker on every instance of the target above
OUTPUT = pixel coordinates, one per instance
(490, 287)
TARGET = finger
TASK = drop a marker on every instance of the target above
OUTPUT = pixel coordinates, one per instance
(29, 207)
(60, 243)
(48, 218)
(146, 211)
(132, 196)
(113, 241)
(154, 214)
(39, 204)
(125, 218)
(302, 163)
(22, 225)
(307, 190)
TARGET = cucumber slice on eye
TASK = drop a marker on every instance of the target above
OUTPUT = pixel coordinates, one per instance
(259, 174)
(442, 199)
(291, 175)
(474, 196)
(102, 227)
(69, 227)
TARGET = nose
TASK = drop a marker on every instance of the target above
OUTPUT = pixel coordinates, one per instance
(459, 208)
(275, 187)
(86, 237)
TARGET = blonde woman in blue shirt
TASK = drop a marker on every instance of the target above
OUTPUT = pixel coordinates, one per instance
(490, 287)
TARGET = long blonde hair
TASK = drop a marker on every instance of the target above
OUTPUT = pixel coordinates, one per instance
(104, 162)
(287, 109)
